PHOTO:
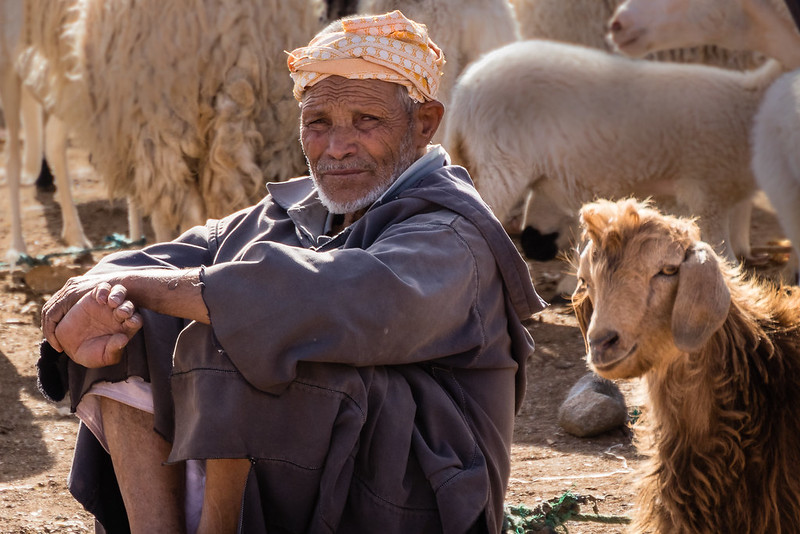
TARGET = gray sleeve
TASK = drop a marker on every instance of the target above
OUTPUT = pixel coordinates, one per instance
(411, 296)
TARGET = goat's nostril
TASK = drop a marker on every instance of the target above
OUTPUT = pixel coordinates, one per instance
(604, 341)
(615, 26)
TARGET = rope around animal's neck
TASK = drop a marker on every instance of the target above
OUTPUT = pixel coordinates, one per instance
(554, 514)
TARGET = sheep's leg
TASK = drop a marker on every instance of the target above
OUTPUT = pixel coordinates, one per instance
(715, 230)
(56, 153)
(32, 126)
(739, 222)
(10, 96)
(517, 218)
(784, 195)
(135, 223)
(161, 228)
(192, 213)
(776, 159)
(194, 210)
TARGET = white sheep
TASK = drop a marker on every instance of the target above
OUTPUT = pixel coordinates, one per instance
(585, 22)
(185, 106)
(719, 354)
(570, 21)
(576, 123)
(19, 104)
(640, 27)
(762, 25)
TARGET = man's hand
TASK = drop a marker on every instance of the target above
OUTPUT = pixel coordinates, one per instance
(175, 292)
(97, 327)
(60, 303)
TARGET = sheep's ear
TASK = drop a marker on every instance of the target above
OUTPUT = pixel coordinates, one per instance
(703, 299)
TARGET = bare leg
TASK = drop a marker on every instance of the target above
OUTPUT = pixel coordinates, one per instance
(153, 492)
(222, 501)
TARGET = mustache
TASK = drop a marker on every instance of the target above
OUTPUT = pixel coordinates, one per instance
(333, 166)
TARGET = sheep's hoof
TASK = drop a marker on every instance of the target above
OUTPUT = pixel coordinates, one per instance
(757, 260)
(774, 252)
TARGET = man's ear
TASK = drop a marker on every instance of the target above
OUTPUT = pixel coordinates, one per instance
(429, 117)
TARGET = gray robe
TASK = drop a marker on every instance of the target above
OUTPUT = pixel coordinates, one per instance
(371, 378)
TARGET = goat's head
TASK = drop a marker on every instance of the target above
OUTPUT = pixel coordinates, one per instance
(639, 27)
(648, 289)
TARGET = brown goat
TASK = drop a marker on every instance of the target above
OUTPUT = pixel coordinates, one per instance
(719, 353)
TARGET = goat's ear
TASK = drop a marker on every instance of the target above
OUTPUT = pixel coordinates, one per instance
(582, 305)
(703, 299)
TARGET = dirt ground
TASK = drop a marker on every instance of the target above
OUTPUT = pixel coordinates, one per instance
(37, 437)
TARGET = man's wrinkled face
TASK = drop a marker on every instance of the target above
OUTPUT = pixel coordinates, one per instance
(357, 136)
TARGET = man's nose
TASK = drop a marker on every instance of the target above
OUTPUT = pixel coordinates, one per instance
(341, 142)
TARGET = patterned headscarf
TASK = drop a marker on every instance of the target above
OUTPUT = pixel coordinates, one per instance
(386, 47)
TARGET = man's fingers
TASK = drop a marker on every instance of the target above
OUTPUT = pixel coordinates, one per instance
(117, 295)
(50, 320)
(132, 325)
(124, 311)
(101, 292)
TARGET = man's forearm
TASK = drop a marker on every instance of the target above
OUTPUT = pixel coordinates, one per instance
(176, 293)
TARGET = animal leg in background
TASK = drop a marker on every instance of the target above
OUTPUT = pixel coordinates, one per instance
(56, 153)
(776, 159)
(32, 128)
(10, 95)
(193, 215)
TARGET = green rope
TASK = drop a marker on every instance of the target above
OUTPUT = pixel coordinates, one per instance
(554, 514)
(115, 242)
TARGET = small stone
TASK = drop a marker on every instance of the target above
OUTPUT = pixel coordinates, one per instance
(593, 406)
(50, 278)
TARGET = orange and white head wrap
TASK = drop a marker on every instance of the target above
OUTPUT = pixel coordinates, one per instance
(386, 47)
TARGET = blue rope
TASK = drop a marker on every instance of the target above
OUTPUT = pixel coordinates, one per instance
(115, 242)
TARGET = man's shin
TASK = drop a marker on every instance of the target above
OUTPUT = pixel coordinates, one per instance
(222, 501)
(153, 491)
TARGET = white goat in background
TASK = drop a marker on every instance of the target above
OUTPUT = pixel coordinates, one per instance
(642, 26)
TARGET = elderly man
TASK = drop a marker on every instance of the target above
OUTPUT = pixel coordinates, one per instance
(345, 356)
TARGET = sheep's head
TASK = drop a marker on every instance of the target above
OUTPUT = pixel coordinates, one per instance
(639, 27)
(648, 289)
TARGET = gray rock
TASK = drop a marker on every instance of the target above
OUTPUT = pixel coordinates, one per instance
(594, 405)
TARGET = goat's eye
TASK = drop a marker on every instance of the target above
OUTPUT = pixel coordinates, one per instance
(669, 270)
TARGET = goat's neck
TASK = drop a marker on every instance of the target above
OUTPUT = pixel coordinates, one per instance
(682, 401)
(773, 35)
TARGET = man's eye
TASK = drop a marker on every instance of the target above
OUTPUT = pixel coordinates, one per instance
(315, 125)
